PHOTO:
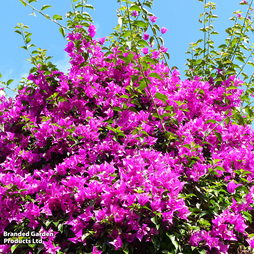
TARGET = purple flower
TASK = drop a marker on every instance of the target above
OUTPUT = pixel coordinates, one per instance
(153, 18)
(134, 14)
(117, 243)
(92, 30)
(50, 247)
(156, 54)
(71, 37)
(231, 186)
(96, 251)
(164, 30)
(163, 49)
(70, 47)
(238, 15)
(142, 231)
(250, 242)
(101, 40)
(145, 51)
(146, 36)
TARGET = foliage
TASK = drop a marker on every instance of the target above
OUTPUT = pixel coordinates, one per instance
(121, 156)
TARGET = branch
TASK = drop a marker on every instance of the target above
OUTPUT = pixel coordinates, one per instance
(46, 16)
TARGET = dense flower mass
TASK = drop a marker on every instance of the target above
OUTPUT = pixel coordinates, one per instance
(84, 155)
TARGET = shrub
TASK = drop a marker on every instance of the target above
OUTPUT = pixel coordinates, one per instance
(121, 156)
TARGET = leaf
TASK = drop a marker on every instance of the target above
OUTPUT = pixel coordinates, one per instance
(126, 34)
(89, 6)
(240, 119)
(222, 46)
(187, 146)
(57, 17)
(161, 40)
(143, 43)
(62, 31)
(120, 21)
(23, 2)
(218, 135)
(211, 121)
(220, 168)
(17, 31)
(46, 6)
(240, 59)
(117, 109)
(9, 81)
(28, 40)
(129, 44)
(172, 238)
(33, 14)
(161, 97)
(152, 40)
(135, 8)
(17, 246)
(155, 75)
(140, 23)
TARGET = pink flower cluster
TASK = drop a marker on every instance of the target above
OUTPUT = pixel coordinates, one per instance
(85, 148)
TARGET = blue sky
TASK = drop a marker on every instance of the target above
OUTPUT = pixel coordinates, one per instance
(180, 17)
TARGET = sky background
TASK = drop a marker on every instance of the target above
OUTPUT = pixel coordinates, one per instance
(179, 17)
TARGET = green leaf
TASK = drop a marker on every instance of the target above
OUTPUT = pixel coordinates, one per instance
(161, 40)
(155, 75)
(126, 34)
(28, 40)
(23, 2)
(240, 119)
(143, 43)
(17, 246)
(187, 146)
(117, 109)
(9, 82)
(240, 59)
(218, 135)
(222, 46)
(89, 6)
(135, 8)
(142, 84)
(46, 6)
(62, 31)
(220, 168)
(161, 97)
(211, 121)
(17, 31)
(247, 216)
(172, 238)
(152, 40)
(57, 17)
(140, 23)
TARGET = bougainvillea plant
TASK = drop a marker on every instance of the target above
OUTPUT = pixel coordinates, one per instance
(120, 155)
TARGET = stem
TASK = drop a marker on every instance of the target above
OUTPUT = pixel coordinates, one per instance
(8, 87)
(142, 71)
(222, 122)
(237, 44)
(27, 49)
(164, 58)
(204, 40)
(245, 63)
(46, 16)
(208, 36)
